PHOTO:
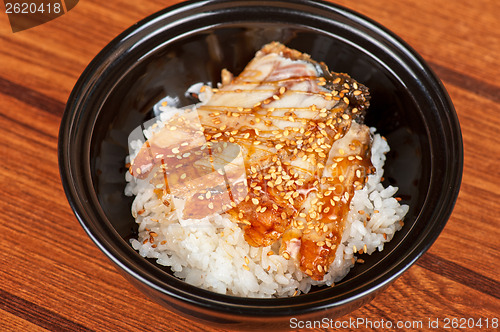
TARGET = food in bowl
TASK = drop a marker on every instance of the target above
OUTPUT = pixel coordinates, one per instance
(270, 185)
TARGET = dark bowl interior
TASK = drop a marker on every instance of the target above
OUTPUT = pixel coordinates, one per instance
(166, 53)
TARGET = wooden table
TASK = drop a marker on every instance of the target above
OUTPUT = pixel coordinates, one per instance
(53, 277)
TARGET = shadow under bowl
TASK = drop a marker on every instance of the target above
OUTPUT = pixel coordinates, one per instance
(192, 42)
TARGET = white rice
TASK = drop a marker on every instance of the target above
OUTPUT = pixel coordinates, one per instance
(213, 254)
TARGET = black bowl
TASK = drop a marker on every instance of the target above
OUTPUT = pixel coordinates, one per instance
(191, 42)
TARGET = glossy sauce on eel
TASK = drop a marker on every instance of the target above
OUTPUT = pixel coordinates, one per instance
(281, 148)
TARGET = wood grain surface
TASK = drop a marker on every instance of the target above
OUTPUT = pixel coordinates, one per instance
(52, 277)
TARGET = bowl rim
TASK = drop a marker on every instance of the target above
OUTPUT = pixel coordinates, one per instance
(225, 303)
